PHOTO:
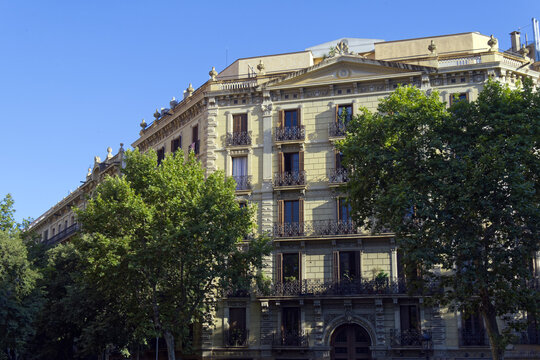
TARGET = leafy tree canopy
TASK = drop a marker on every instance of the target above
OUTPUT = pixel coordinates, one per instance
(459, 187)
(163, 240)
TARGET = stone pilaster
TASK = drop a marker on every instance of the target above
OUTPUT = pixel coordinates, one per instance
(210, 135)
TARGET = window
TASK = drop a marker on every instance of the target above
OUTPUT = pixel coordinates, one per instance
(237, 327)
(291, 169)
(410, 325)
(195, 133)
(458, 97)
(290, 218)
(339, 160)
(346, 265)
(239, 172)
(72, 220)
(176, 144)
(65, 224)
(290, 118)
(288, 267)
(291, 211)
(291, 162)
(290, 324)
(53, 231)
(59, 228)
(472, 329)
(160, 155)
(45, 235)
(343, 113)
(239, 123)
(344, 210)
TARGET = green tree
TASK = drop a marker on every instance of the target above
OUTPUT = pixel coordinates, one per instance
(459, 188)
(7, 212)
(164, 239)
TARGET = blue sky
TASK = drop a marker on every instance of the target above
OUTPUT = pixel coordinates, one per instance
(78, 76)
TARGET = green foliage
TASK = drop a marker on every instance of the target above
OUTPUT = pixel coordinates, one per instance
(7, 219)
(460, 189)
(162, 240)
(18, 294)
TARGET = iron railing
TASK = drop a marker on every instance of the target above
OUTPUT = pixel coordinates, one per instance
(315, 287)
(236, 337)
(238, 138)
(293, 178)
(531, 337)
(317, 228)
(290, 338)
(63, 234)
(290, 133)
(243, 182)
(407, 338)
(338, 176)
(472, 338)
(337, 129)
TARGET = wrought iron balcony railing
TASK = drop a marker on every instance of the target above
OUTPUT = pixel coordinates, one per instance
(290, 133)
(314, 287)
(236, 337)
(62, 235)
(290, 338)
(243, 182)
(531, 337)
(407, 338)
(338, 176)
(238, 138)
(472, 338)
(337, 129)
(316, 228)
(294, 178)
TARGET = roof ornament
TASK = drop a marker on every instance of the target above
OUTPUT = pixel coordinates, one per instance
(491, 43)
(213, 73)
(173, 102)
(157, 114)
(342, 48)
(260, 67)
(190, 89)
(143, 124)
(432, 47)
(109, 153)
(89, 172)
(524, 50)
(97, 160)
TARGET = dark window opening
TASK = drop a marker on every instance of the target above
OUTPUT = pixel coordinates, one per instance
(348, 265)
(160, 155)
(291, 162)
(458, 97)
(344, 113)
(291, 211)
(176, 144)
(239, 123)
(344, 210)
(291, 267)
(291, 118)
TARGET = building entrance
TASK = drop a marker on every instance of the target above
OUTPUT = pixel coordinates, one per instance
(350, 342)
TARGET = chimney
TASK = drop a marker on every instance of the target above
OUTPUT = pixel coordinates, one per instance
(516, 40)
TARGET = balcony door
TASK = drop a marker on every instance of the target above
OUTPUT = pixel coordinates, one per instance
(350, 342)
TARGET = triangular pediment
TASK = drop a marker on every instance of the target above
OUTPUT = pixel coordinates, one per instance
(344, 69)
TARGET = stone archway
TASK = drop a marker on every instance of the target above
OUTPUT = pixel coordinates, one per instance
(350, 342)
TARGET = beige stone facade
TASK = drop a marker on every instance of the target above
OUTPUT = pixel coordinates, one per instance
(271, 122)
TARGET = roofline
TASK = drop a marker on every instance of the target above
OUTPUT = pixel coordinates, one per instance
(431, 37)
(256, 57)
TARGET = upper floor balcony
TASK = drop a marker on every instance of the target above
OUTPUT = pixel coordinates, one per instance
(63, 234)
(237, 337)
(292, 179)
(337, 129)
(290, 338)
(338, 176)
(243, 182)
(240, 138)
(408, 338)
(321, 288)
(316, 228)
(290, 134)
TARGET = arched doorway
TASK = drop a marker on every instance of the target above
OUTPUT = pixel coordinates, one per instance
(350, 342)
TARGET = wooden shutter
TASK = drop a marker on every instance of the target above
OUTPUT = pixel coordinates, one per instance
(300, 266)
(279, 268)
(337, 114)
(281, 120)
(237, 123)
(281, 163)
(338, 159)
(298, 116)
(301, 161)
(300, 210)
(335, 266)
(243, 126)
(338, 205)
(281, 211)
(357, 260)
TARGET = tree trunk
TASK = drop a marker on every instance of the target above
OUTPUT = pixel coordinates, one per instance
(490, 317)
(169, 339)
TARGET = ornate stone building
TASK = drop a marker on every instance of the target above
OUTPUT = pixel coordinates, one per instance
(271, 122)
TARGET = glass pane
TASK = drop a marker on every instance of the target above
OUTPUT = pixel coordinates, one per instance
(291, 118)
(290, 267)
(239, 166)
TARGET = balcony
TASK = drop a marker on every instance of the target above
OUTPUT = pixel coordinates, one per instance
(290, 338)
(473, 338)
(318, 288)
(236, 337)
(242, 138)
(317, 228)
(337, 129)
(295, 179)
(195, 147)
(62, 235)
(410, 338)
(338, 176)
(290, 134)
(243, 182)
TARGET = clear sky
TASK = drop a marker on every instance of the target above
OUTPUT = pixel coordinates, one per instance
(78, 76)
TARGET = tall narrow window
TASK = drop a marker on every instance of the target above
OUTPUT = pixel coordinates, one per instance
(343, 113)
(291, 118)
(237, 327)
(176, 144)
(472, 329)
(239, 123)
(195, 133)
(291, 162)
(291, 267)
(410, 325)
(46, 235)
(160, 155)
(292, 211)
(458, 97)
(290, 326)
(344, 210)
(239, 172)
(346, 266)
